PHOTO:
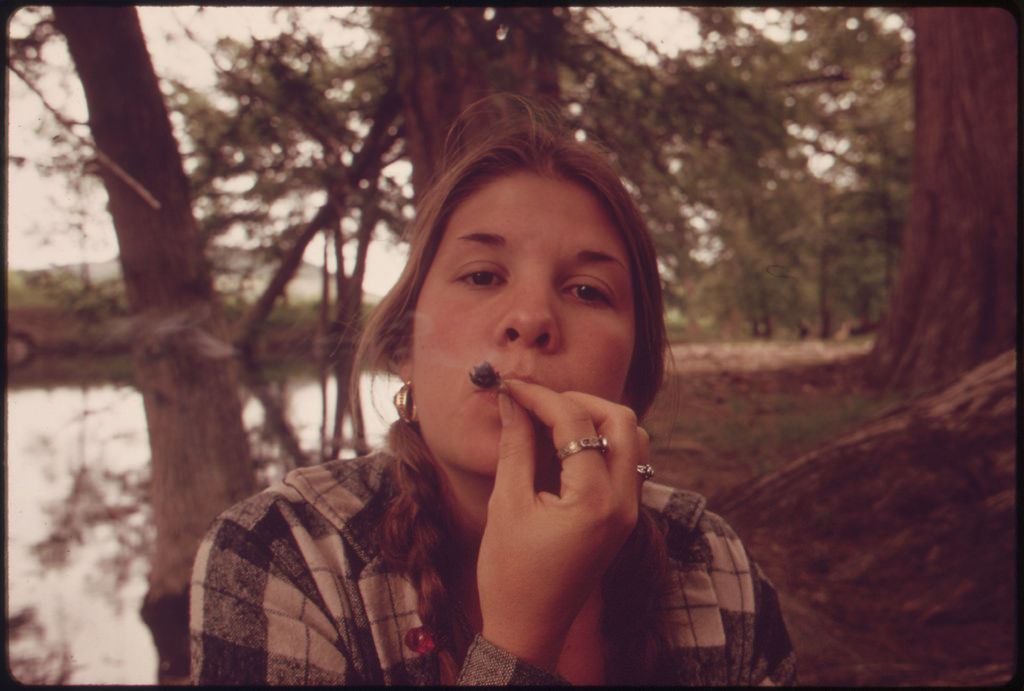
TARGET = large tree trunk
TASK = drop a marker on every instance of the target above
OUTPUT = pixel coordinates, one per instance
(200, 457)
(439, 72)
(954, 305)
(893, 546)
(448, 58)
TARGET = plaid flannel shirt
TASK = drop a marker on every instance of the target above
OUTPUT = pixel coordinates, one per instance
(289, 587)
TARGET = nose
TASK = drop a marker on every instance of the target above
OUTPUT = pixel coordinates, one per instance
(530, 321)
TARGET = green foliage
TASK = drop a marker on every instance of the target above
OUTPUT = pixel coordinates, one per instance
(771, 158)
(719, 142)
(275, 136)
(66, 290)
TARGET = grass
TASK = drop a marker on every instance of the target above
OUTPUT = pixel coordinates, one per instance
(771, 430)
(757, 422)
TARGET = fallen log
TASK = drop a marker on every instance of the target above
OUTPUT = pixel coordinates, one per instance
(894, 545)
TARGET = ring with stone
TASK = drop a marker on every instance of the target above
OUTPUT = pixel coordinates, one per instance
(597, 443)
(646, 471)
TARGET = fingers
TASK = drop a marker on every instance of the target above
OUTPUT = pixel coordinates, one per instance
(583, 472)
(629, 444)
(516, 460)
(566, 422)
(571, 415)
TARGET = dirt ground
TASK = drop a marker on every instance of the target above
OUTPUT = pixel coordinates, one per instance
(732, 411)
(761, 356)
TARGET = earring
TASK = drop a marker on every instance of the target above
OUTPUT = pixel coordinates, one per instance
(404, 403)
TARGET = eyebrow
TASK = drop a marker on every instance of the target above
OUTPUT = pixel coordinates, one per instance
(593, 256)
(489, 239)
(583, 256)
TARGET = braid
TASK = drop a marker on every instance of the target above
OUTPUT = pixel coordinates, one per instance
(415, 538)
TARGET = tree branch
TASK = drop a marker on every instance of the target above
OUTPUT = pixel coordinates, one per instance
(377, 141)
(103, 159)
(839, 76)
(259, 312)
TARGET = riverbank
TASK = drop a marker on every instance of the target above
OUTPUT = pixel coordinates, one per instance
(728, 412)
(53, 336)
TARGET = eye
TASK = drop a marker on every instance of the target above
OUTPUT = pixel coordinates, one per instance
(588, 293)
(481, 278)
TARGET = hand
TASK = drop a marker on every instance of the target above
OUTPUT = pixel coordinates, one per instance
(542, 554)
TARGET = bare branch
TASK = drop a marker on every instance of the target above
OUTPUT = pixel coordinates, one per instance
(258, 313)
(635, 35)
(839, 76)
(101, 157)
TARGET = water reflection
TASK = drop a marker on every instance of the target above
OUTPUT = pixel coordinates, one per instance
(78, 520)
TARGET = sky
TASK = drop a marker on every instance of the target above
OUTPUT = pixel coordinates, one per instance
(48, 224)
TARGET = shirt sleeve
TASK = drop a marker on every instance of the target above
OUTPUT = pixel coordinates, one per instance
(255, 611)
(488, 665)
(773, 660)
(731, 631)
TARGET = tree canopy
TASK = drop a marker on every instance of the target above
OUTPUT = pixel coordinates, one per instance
(770, 156)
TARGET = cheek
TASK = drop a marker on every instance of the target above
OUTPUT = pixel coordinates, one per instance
(606, 364)
(604, 347)
(618, 368)
(442, 351)
(424, 331)
(460, 428)
(436, 342)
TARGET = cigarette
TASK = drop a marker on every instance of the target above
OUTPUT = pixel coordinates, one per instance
(484, 376)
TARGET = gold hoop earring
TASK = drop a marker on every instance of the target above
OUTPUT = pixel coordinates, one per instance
(404, 403)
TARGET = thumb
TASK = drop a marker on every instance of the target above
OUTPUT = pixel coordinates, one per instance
(516, 462)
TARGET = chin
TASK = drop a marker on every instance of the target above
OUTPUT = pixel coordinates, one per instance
(478, 456)
(481, 461)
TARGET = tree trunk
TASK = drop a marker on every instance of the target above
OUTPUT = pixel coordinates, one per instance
(439, 72)
(346, 327)
(894, 545)
(446, 59)
(954, 304)
(200, 456)
(824, 311)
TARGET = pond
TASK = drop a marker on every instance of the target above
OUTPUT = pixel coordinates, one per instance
(77, 523)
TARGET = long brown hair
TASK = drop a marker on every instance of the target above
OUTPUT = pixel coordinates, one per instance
(520, 137)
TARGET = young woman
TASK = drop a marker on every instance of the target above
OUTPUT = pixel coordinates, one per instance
(506, 535)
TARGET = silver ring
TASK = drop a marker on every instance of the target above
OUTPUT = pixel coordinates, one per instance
(597, 443)
(646, 471)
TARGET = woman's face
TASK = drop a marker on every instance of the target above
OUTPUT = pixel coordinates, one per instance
(531, 276)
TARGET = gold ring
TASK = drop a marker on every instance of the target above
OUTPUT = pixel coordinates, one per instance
(597, 443)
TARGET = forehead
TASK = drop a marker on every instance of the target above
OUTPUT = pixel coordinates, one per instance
(526, 206)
